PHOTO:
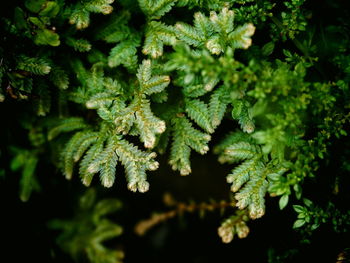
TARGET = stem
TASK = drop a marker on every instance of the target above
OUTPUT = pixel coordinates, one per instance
(143, 226)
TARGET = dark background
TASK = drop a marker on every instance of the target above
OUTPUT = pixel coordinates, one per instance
(24, 233)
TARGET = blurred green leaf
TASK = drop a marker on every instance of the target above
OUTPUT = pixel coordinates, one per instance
(51, 9)
(283, 201)
(47, 37)
(34, 5)
(298, 223)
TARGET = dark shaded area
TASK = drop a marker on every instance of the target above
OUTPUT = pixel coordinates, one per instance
(25, 235)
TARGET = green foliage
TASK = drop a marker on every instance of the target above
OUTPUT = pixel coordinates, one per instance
(215, 33)
(26, 161)
(156, 8)
(249, 178)
(310, 217)
(84, 236)
(158, 34)
(234, 225)
(266, 81)
(136, 118)
(80, 12)
(185, 138)
(33, 65)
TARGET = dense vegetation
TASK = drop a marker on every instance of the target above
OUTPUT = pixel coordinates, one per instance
(120, 116)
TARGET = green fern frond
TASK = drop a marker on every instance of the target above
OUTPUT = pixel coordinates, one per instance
(80, 15)
(125, 118)
(70, 152)
(180, 155)
(158, 34)
(124, 54)
(215, 33)
(85, 144)
(241, 37)
(103, 150)
(108, 163)
(37, 66)
(189, 34)
(91, 155)
(252, 195)
(241, 174)
(186, 137)
(222, 22)
(116, 30)
(202, 24)
(80, 45)
(59, 78)
(230, 139)
(102, 99)
(194, 91)
(217, 106)
(120, 34)
(241, 112)
(197, 110)
(136, 163)
(42, 105)
(147, 124)
(148, 84)
(249, 178)
(85, 234)
(66, 125)
(80, 71)
(27, 162)
(99, 6)
(155, 9)
(242, 150)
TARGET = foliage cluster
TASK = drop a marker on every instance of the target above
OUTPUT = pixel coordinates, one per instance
(101, 85)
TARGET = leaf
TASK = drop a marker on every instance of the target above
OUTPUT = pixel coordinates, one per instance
(268, 48)
(283, 201)
(307, 202)
(298, 208)
(298, 223)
